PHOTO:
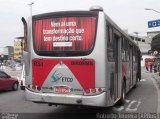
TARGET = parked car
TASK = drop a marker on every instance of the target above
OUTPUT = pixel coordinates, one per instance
(7, 82)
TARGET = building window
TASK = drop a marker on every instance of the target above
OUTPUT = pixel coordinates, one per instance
(143, 40)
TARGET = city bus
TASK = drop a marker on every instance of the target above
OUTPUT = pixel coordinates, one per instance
(79, 58)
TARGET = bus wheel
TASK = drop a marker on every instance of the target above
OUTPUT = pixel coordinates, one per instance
(123, 94)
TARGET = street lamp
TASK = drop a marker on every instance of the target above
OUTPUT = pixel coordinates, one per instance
(31, 8)
(152, 10)
(137, 36)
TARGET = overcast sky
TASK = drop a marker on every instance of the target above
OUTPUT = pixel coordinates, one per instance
(128, 14)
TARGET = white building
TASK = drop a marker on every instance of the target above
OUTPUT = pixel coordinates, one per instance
(144, 44)
(6, 52)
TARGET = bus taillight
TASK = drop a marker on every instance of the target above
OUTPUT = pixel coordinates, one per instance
(38, 88)
(87, 90)
(33, 87)
(93, 90)
(100, 89)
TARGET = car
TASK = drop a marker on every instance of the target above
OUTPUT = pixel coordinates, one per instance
(8, 82)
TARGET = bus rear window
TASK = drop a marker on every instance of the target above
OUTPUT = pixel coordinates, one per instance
(64, 35)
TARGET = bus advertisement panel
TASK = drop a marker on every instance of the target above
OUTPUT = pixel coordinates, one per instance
(66, 34)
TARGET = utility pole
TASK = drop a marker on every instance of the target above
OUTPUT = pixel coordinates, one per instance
(152, 10)
(31, 8)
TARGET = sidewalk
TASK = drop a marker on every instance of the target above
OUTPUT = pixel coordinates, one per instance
(157, 78)
(154, 75)
(7, 68)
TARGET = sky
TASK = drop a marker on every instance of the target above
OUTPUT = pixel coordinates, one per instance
(127, 14)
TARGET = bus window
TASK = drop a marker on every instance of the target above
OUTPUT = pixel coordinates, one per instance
(134, 59)
(127, 51)
(116, 36)
(136, 55)
(123, 49)
(64, 35)
(110, 44)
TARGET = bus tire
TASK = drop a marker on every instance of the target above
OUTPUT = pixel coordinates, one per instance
(123, 94)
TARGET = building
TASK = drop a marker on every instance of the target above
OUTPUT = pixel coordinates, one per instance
(10, 51)
(151, 34)
(155, 44)
(18, 48)
(144, 44)
(6, 53)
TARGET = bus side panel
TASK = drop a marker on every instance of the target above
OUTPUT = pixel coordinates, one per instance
(111, 82)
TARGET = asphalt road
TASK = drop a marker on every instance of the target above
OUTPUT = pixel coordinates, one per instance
(141, 102)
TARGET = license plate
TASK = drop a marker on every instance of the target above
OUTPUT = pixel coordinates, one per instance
(61, 89)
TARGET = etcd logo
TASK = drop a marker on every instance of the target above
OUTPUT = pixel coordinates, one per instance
(56, 76)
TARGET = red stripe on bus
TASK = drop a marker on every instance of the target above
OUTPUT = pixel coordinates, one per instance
(83, 70)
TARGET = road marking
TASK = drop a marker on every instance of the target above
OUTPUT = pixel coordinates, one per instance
(143, 80)
(158, 94)
(118, 108)
(130, 107)
(127, 101)
(121, 107)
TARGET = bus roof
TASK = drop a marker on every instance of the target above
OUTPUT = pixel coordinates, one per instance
(64, 13)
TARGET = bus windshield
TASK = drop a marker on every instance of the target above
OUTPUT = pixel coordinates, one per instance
(64, 35)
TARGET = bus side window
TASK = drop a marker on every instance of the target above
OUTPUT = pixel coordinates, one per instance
(127, 50)
(136, 55)
(110, 44)
(134, 58)
(123, 49)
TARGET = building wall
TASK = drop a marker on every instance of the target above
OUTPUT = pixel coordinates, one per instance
(6, 53)
(144, 44)
(10, 51)
(18, 48)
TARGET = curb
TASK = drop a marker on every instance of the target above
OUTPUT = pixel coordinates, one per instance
(157, 86)
(157, 80)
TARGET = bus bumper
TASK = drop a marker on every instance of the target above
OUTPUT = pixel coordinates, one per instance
(97, 100)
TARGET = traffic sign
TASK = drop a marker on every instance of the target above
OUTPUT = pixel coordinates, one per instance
(154, 23)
